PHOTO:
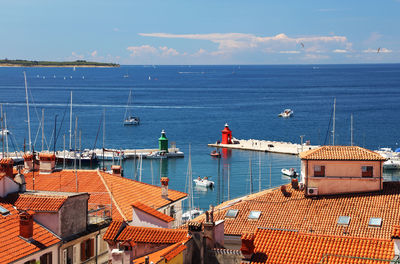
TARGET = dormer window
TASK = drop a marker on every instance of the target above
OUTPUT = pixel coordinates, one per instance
(4, 211)
(375, 222)
(232, 213)
(254, 215)
(367, 171)
(319, 171)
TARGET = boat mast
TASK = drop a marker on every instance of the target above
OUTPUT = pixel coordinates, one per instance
(251, 176)
(351, 130)
(70, 124)
(127, 104)
(333, 124)
(259, 172)
(42, 127)
(5, 127)
(189, 181)
(229, 175)
(2, 130)
(27, 112)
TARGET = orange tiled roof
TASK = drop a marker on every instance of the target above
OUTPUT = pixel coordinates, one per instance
(6, 161)
(99, 185)
(152, 235)
(282, 246)
(340, 153)
(166, 254)
(40, 202)
(112, 230)
(13, 247)
(396, 231)
(153, 212)
(318, 216)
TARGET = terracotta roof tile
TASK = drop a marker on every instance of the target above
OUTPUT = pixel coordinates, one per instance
(13, 247)
(124, 191)
(318, 216)
(112, 230)
(40, 202)
(396, 232)
(166, 254)
(281, 246)
(152, 235)
(340, 153)
(153, 212)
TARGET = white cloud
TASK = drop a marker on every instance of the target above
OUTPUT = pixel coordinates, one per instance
(165, 51)
(381, 50)
(233, 42)
(140, 50)
(115, 29)
(339, 51)
(94, 53)
(77, 56)
(289, 51)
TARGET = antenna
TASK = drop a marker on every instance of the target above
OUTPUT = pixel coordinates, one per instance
(334, 120)
(351, 130)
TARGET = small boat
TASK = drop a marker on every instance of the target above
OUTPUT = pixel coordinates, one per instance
(215, 153)
(4, 131)
(204, 182)
(289, 172)
(191, 214)
(126, 76)
(128, 118)
(157, 155)
(286, 113)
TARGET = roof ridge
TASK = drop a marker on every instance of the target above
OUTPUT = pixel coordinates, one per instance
(111, 196)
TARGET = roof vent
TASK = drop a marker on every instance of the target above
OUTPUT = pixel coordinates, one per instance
(232, 213)
(343, 220)
(254, 215)
(375, 222)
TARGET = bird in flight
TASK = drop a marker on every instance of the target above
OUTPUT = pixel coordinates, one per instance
(302, 45)
(378, 50)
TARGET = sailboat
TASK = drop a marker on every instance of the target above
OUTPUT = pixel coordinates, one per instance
(128, 118)
(191, 213)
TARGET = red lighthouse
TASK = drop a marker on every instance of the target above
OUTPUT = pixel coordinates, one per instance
(226, 135)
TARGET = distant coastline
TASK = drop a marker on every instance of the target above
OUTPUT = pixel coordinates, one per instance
(78, 63)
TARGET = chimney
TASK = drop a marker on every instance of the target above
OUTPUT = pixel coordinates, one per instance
(6, 167)
(28, 162)
(396, 240)
(209, 229)
(164, 187)
(20, 179)
(26, 225)
(116, 170)
(47, 162)
(247, 245)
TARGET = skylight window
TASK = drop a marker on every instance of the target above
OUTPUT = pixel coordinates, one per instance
(4, 211)
(232, 213)
(254, 215)
(343, 220)
(375, 222)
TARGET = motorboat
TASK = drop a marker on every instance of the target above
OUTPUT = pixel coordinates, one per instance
(157, 155)
(215, 154)
(289, 172)
(286, 113)
(392, 164)
(191, 214)
(203, 182)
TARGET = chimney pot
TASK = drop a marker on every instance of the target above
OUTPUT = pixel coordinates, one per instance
(164, 187)
(247, 245)
(26, 225)
(6, 167)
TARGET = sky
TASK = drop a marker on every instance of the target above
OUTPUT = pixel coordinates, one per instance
(188, 32)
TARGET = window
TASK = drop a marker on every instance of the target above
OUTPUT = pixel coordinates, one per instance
(343, 220)
(254, 215)
(367, 171)
(232, 213)
(46, 258)
(319, 171)
(4, 211)
(68, 255)
(375, 222)
(87, 249)
(30, 262)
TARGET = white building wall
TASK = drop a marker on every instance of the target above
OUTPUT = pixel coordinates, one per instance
(140, 218)
(36, 256)
(8, 186)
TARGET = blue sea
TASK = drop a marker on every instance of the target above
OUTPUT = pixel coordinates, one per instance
(192, 104)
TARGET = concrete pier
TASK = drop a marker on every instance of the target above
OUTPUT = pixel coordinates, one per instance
(265, 146)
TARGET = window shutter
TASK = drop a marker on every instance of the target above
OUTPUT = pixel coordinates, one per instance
(83, 250)
(75, 254)
(91, 247)
(65, 256)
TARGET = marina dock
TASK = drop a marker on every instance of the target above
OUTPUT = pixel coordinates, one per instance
(265, 146)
